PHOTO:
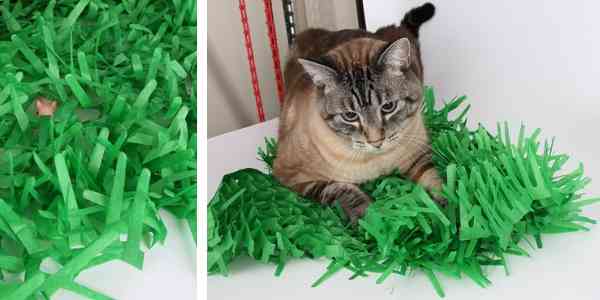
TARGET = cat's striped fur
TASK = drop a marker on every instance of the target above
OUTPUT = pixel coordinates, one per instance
(329, 76)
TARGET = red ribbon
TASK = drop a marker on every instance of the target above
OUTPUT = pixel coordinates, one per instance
(251, 61)
(274, 49)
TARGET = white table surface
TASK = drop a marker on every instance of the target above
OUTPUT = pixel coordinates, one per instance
(169, 271)
(566, 268)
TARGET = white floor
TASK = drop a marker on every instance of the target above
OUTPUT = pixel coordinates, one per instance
(566, 268)
(169, 271)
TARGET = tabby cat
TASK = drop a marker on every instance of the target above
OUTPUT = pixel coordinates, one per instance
(352, 113)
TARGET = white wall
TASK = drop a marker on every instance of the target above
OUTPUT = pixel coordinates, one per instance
(328, 14)
(532, 61)
(230, 97)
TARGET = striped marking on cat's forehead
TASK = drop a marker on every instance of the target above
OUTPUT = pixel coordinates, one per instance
(360, 82)
(354, 61)
(356, 53)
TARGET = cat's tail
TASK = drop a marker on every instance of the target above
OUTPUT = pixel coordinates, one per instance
(415, 17)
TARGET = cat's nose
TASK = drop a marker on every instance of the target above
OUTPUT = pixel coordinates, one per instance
(376, 144)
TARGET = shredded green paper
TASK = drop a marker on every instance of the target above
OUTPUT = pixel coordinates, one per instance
(499, 195)
(84, 186)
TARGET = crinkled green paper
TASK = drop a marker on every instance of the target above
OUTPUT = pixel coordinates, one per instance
(499, 194)
(84, 186)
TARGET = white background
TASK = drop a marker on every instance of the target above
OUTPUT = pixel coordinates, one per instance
(521, 61)
(169, 271)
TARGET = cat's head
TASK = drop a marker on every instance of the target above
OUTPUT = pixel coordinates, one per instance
(369, 105)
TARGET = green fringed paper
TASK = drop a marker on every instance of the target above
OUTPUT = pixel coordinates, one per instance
(84, 186)
(499, 194)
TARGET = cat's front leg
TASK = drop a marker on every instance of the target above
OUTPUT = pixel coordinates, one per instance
(423, 172)
(353, 201)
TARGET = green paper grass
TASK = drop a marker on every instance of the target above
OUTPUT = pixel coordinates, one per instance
(85, 186)
(499, 195)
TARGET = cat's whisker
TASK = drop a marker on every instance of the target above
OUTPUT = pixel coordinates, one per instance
(414, 140)
(421, 142)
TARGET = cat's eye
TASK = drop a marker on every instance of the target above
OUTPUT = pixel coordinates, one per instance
(389, 107)
(350, 116)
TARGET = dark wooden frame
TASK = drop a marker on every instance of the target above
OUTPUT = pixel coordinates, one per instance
(360, 13)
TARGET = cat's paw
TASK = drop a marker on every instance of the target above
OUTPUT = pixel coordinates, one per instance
(439, 199)
(431, 181)
(355, 213)
(352, 199)
(355, 204)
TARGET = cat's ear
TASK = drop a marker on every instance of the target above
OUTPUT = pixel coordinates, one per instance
(320, 74)
(396, 57)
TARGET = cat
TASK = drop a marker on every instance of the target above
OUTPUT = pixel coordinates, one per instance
(352, 113)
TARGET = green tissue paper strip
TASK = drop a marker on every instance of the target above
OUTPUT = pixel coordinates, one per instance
(499, 194)
(85, 186)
